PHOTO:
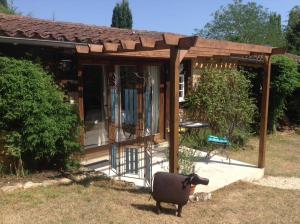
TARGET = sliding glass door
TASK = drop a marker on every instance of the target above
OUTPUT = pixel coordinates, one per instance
(95, 106)
(121, 105)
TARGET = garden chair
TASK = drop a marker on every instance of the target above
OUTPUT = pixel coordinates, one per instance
(222, 142)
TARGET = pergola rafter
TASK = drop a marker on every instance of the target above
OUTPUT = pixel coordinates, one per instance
(195, 46)
(176, 48)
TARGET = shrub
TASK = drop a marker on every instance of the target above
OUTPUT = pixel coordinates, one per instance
(222, 99)
(198, 139)
(297, 130)
(293, 107)
(40, 129)
(186, 161)
(284, 81)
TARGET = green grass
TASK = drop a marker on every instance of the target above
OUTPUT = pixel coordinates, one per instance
(282, 155)
(107, 202)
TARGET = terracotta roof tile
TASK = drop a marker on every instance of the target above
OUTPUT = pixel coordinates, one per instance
(22, 26)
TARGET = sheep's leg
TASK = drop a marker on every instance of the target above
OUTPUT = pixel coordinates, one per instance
(179, 210)
(158, 207)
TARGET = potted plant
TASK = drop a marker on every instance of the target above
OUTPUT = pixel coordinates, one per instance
(186, 162)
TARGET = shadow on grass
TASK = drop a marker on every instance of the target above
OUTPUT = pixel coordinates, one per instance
(132, 190)
(107, 183)
(152, 208)
(211, 160)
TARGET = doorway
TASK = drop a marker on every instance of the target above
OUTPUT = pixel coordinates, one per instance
(135, 112)
(95, 106)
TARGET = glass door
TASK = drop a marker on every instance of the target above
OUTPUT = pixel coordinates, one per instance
(128, 101)
(95, 110)
(134, 107)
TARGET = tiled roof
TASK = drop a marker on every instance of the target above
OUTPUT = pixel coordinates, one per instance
(28, 27)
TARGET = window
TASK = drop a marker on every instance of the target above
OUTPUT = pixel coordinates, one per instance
(181, 83)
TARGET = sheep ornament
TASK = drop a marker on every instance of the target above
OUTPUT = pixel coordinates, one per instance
(174, 188)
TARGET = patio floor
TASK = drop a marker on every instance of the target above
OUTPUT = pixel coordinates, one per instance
(218, 170)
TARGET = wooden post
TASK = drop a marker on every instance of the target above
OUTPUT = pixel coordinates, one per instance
(264, 112)
(174, 109)
(80, 101)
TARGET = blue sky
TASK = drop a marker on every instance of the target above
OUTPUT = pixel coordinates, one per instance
(178, 16)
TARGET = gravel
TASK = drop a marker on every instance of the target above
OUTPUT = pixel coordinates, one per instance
(288, 183)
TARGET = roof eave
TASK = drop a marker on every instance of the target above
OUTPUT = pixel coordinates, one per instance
(39, 42)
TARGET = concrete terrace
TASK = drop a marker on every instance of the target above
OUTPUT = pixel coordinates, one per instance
(218, 170)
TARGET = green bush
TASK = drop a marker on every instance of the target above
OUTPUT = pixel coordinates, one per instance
(285, 79)
(198, 139)
(222, 99)
(187, 158)
(293, 107)
(297, 130)
(41, 130)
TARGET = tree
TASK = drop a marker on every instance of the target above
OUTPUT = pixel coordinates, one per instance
(248, 23)
(275, 35)
(285, 79)
(122, 17)
(4, 3)
(293, 31)
(7, 8)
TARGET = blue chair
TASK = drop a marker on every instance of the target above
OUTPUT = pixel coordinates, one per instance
(224, 142)
(218, 140)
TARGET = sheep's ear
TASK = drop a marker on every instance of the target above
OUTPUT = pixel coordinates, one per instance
(191, 177)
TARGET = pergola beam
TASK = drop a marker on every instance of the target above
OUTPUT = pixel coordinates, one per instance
(128, 44)
(96, 48)
(218, 50)
(278, 51)
(82, 49)
(212, 53)
(196, 46)
(171, 39)
(187, 42)
(147, 42)
(111, 47)
(228, 45)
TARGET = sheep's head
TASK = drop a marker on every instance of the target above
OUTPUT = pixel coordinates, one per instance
(194, 179)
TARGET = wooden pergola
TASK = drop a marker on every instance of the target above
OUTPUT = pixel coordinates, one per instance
(176, 48)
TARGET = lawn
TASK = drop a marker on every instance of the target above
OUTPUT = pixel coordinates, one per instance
(107, 202)
(282, 156)
(104, 201)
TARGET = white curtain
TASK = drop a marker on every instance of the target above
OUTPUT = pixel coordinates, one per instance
(154, 72)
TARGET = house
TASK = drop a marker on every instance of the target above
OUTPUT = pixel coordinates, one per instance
(127, 84)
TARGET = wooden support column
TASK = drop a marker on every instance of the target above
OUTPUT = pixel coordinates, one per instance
(264, 112)
(80, 101)
(174, 109)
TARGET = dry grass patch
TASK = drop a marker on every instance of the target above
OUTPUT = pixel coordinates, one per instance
(107, 202)
(282, 156)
